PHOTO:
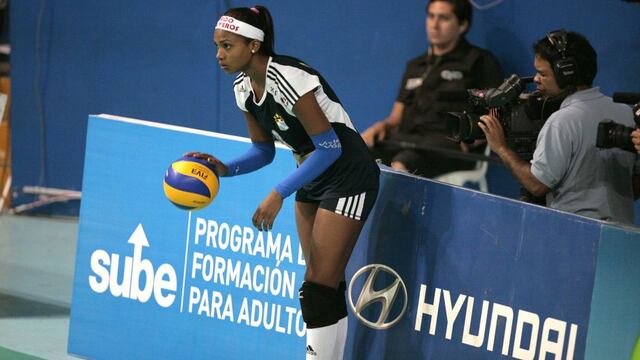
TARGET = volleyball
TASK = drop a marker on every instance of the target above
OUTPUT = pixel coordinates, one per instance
(191, 183)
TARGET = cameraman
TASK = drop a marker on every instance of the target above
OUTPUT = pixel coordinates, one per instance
(567, 167)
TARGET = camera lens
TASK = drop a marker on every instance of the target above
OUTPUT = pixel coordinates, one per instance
(463, 126)
(613, 135)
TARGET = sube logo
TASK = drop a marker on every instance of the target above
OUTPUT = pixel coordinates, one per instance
(135, 279)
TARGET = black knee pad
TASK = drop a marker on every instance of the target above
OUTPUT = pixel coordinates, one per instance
(341, 301)
(318, 304)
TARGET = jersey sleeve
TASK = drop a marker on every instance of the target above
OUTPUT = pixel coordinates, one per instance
(241, 92)
(292, 83)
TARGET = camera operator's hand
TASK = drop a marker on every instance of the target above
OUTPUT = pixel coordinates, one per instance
(494, 133)
(635, 138)
(379, 130)
(376, 132)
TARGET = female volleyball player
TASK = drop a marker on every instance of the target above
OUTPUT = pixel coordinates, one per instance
(336, 181)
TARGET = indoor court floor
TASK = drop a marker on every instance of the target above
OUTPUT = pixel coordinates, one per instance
(37, 257)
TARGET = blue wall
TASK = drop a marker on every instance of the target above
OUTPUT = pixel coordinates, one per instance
(164, 278)
(155, 60)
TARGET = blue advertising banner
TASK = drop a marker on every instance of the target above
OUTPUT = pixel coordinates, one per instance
(485, 277)
(439, 272)
(615, 309)
(153, 281)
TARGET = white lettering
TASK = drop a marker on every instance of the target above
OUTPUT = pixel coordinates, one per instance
(245, 240)
(236, 238)
(217, 306)
(244, 312)
(531, 319)
(194, 297)
(244, 275)
(452, 312)
(507, 314)
(212, 231)
(425, 308)
(141, 266)
(200, 229)
(160, 284)
(136, 279)
(546, 344)
(529, 338)
(572, 341)
(467, 337)
(99, 266)
(124, 287)
(224, 236)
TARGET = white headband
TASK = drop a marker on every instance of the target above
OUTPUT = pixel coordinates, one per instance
(227, 23)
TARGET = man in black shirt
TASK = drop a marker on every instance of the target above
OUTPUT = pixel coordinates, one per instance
(418, 116)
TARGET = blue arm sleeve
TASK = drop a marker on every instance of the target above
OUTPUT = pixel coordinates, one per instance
(328, 150)
(259, 155)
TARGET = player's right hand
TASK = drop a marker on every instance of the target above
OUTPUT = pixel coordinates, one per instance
(221, 168)
(266, 213)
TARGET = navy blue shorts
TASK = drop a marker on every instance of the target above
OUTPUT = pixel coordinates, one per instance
(355, 207)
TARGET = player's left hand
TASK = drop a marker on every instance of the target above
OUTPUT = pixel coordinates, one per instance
(267, 211)
(221, 169)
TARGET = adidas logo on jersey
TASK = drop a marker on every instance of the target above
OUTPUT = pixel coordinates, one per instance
(310, 351)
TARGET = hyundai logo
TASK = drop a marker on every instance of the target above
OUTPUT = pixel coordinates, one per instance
(386, 296)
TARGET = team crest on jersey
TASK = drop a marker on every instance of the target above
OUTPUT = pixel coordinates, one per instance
(282, 125)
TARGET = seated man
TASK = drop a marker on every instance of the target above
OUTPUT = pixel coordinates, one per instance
(450, 66)
(567, 167)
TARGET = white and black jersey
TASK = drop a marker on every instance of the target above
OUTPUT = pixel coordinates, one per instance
(287, 80)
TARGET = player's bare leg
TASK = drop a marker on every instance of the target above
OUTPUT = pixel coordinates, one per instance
(327, 241)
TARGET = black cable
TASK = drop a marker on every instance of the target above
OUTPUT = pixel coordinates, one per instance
(406, 145)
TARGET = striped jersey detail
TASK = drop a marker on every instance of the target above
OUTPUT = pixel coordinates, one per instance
(239, 79)
(283, 84)
(351, 206)
(287, 79)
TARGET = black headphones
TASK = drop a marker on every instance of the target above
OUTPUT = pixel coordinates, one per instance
(565, 68)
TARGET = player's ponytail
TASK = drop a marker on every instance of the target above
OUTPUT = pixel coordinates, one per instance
(259, 17)
(265, 19)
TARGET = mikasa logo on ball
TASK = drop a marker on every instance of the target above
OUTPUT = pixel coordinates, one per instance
(200, 172)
